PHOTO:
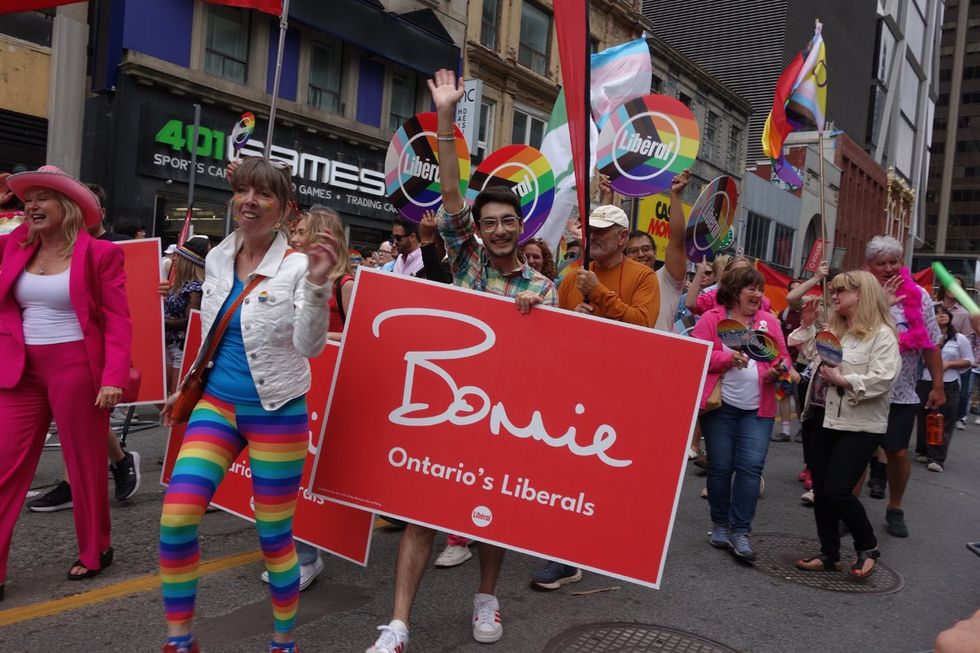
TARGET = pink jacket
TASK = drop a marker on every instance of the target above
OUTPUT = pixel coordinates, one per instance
(98, 294)
(721, 356)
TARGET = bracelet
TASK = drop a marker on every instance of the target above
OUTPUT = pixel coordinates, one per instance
(446, 139)
(449, 133)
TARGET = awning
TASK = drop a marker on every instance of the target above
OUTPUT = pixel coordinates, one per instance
(415, 43)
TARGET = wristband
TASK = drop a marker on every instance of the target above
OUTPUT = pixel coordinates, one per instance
(450, 133)
(446, 139)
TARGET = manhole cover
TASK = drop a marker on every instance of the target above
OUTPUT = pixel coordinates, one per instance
(778, 553)
(631, 638)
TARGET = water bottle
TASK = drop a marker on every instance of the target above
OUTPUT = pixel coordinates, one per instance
(934, 429)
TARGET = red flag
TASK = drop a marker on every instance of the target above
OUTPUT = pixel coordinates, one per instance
(572, 28)
(11, 6)
(273, 7)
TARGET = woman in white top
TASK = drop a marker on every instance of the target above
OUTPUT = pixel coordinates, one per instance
(957, 357)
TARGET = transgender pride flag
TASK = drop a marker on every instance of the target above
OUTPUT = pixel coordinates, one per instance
(799, 102)
(619, 74)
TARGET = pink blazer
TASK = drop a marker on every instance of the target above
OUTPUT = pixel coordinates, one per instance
(98, 294)
(721, 357)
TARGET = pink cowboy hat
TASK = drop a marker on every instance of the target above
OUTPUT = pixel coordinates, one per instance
(52, 177)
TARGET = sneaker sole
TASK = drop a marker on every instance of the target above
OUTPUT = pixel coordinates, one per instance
(136, 488)
(488, 639)
(455, 563)
(719, 545)
(743, 557)
(62, 506)
(309, 581)
(568, 580)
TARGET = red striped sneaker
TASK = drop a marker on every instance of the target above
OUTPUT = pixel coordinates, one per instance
(393, 638)
(487, 628)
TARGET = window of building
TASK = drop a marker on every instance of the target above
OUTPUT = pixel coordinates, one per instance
(535, 33)
(490, 23)
(484, 136)
(33, 26)
(656, 84)
(528, 129)
(326, 75)
(734, 143)
(404, 96)
(685, 99)
(757, 229)
(782, 247)
(226, 49)
(709, 138)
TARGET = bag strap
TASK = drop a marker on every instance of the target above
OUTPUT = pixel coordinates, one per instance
(218, 331)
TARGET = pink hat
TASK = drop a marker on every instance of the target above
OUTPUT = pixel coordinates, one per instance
(52, 177)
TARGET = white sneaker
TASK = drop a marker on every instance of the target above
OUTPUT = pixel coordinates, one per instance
(487, 628)
(976, 420)
(921, 459)
(453, 555)
(307, 573)
(807, 498)
(934, 467)
(961, 424)
(393, 638)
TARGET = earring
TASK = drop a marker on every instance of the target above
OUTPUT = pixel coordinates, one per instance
(278, 226)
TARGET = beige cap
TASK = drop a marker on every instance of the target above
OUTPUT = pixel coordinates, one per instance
(608, 216)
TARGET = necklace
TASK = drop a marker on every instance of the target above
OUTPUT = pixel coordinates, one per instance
(42, 263)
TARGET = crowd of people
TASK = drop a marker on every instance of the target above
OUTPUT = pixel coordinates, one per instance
(275, 290)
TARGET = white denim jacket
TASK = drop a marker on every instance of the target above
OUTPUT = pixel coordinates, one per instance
(871, 366)
(284, 319)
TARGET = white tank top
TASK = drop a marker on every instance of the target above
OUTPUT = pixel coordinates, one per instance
(46, 310)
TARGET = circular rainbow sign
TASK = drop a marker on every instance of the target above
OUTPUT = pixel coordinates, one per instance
(243, 131)
(761, 346)
(524, 171)
(412, 166)
(829, 348)
(711, 217)
(645, 143)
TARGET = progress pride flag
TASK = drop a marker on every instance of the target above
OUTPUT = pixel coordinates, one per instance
(553, 433)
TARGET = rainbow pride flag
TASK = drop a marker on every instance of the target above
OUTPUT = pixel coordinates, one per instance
(799, 102)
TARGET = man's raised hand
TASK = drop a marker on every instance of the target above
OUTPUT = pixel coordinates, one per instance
(446, 90)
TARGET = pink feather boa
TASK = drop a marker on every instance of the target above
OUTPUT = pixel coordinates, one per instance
(917, 336)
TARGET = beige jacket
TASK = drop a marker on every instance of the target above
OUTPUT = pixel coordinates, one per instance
(871, 366)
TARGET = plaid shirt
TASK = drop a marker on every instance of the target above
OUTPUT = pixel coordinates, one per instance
(472, 268)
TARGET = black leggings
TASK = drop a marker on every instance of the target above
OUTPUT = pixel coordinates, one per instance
(837, 460)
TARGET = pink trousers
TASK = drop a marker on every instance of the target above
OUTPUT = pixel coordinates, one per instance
(57, 382)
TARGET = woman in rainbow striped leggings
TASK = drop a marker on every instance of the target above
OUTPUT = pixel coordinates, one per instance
(254, 396)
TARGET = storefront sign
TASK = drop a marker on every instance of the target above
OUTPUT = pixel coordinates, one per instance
(552, 460)
(337, 529)
(325, 171)
(468, 112)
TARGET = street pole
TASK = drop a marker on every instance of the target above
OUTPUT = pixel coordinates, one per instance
(283, 26)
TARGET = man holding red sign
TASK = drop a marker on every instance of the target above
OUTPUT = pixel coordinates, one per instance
(494, 267)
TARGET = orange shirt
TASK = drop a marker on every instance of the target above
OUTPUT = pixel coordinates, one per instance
(628, 292)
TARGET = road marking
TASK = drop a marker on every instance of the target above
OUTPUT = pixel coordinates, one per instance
(114, 591)
(124, 588)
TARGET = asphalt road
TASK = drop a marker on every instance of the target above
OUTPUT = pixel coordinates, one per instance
(704, 592)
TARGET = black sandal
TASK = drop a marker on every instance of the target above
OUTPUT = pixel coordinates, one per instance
(857, 569)
(826, 564)
(105, 559)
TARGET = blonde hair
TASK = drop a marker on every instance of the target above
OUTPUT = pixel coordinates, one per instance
(321, 220)
(872, 311)
(73, 222)
(184, 272)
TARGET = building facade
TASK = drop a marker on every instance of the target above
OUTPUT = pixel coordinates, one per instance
(343, 93)
(952, 225)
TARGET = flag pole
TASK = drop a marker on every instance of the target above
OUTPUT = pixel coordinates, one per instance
(283, 26)
(587, 126)
(823, 221)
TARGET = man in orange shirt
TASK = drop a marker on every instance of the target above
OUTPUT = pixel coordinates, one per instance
(614, 287)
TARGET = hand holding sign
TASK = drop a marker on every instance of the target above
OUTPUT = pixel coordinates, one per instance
(757, 345)
(829, 348)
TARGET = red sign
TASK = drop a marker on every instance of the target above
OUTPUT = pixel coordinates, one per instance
(816, 256)
(531, 432)
(336, 529)
(142, 265)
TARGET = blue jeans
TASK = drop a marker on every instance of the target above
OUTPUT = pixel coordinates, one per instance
(737, 442)
(307, 554)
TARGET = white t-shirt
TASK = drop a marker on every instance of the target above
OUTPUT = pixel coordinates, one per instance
(46, 310)
(955, 349)
(670, 297)
(740, 387)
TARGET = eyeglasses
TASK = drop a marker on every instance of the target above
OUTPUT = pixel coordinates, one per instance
(508, 222)
(644, 249)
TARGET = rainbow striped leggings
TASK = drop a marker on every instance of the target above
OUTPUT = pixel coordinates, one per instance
(215, 436)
